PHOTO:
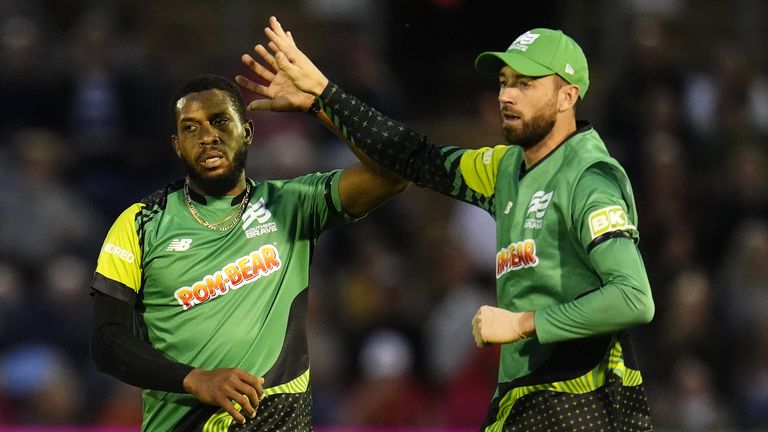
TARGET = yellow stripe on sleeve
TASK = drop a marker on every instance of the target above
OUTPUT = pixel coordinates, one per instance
(120, 256)
(480, 166)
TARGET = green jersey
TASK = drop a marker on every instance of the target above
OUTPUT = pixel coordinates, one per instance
(213, 299)
(550, 219)
(566, 249)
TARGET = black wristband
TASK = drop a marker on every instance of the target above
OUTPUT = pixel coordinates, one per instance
(314, 108)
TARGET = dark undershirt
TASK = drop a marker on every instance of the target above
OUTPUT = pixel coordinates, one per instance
(117, 351)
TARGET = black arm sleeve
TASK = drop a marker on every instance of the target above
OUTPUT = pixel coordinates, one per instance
(120, 353)
(392, 144)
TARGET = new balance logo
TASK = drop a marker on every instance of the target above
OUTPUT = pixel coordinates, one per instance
(523, 41)
(569, 69)
(179, 245)
(508, 208)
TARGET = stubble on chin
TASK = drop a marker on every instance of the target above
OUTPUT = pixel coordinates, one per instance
(220, 184)
(532, 131)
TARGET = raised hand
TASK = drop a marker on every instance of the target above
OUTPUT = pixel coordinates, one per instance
(222, 386)
(293, 81)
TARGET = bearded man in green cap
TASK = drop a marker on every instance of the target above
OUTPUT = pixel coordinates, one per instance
(570, 280)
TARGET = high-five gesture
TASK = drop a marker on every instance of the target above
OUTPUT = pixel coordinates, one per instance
(292, 80)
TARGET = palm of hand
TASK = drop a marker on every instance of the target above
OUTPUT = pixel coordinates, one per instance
(286, 96)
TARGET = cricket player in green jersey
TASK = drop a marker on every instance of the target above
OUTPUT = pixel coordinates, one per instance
(570, 279)
(201, 287)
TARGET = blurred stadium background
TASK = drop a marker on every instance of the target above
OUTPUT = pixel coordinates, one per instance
(679, 92)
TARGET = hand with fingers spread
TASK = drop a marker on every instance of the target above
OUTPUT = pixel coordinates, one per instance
(293, 81)
(492, 325)
(222, 386)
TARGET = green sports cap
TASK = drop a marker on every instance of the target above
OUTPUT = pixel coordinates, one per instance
(541, 52)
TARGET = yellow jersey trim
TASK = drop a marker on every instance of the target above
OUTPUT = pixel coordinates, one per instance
(221, 421)
(120, 256)
(479, 168)
(586, 383)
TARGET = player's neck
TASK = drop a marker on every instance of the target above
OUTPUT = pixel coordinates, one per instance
(234, 191)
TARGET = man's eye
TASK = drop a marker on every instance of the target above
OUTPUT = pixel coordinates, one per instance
(189, 128)
(523, 83)
(502, 84)
(220, 121)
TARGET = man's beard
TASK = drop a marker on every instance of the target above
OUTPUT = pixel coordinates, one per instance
(221, 184)
(533, 130)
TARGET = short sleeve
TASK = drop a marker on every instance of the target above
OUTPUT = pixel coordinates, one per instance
(600, 209)
(118, 269)
(320, 202)
(334, 202)
(479, 168)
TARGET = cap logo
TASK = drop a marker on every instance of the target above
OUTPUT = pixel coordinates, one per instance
(523, 41)
(569, 69)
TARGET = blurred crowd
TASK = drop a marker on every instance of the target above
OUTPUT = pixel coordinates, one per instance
(679, 93)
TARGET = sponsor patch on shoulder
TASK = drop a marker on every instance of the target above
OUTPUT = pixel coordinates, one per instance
(608, 219)
(488, 156)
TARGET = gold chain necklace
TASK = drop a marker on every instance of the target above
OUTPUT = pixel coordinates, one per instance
(217, 225)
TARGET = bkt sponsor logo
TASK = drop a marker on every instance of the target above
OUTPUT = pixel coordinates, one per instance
(240, 272)
(608, 219)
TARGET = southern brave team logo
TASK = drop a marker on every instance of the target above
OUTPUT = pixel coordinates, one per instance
(523, 41)
(258, 212)
(537, 208)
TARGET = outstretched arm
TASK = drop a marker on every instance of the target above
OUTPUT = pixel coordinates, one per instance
(294, 83)
(363, 186)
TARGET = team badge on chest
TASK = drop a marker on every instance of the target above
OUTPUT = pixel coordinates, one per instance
(258, 212)
(537, 208)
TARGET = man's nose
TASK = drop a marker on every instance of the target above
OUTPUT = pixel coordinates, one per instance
(208, 135)
(508, 94)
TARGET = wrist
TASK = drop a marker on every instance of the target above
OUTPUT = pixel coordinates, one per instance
(317, 91)
(529, 324)
(315, 107)
(189, 380)
(318, 88)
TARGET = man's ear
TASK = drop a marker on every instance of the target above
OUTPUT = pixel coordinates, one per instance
(175, 144)
(569, 95)
(248, 130)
